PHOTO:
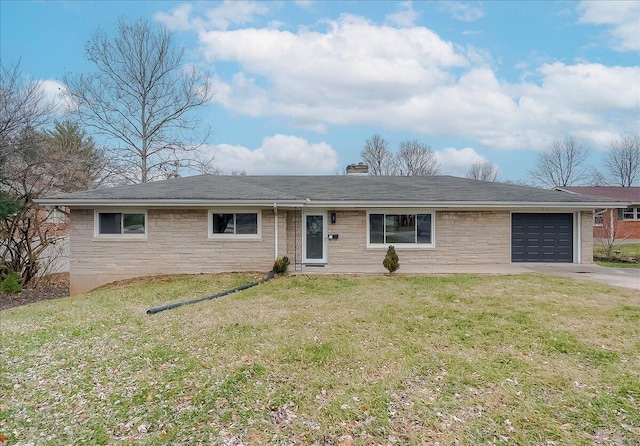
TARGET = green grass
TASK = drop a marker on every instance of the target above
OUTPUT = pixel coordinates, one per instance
(628, 251)
(617, 264)
(523, 359)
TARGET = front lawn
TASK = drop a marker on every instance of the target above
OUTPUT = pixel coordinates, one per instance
(524, 359)
(625, 256)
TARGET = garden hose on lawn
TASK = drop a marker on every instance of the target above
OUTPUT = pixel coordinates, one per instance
(214, 296)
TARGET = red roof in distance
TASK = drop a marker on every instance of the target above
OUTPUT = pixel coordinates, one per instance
(631, 194)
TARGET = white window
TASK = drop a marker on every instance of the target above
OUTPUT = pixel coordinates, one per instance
(630, 214)
(598, 216)
(241, 225)
(129, 224)
(55, 216)
(406, 229)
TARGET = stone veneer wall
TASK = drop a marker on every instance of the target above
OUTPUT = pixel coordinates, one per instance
(177, 242)
(587, 237)
(460, 238)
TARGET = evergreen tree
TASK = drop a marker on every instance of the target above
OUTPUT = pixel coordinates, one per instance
(391, 260)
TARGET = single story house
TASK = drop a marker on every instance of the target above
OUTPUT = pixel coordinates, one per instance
(625, 221)
(211, 223)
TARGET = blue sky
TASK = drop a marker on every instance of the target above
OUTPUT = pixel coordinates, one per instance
(300, 85)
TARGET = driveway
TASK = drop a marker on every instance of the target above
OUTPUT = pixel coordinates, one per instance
(624, 277)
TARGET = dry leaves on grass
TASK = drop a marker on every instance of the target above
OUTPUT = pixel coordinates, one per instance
(44, 288)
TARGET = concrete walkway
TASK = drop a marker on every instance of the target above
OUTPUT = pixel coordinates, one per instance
(623, 277)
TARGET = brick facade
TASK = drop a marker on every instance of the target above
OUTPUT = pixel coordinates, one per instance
(623, 229)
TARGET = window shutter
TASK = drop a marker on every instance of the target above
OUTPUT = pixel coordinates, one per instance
(620, 214)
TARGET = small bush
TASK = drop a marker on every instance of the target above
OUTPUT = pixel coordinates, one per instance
(280, 265)
(391, 260)
(11, 284)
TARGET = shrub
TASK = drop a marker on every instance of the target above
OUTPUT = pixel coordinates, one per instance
(11, 283)
(280, 265)
(391, 260)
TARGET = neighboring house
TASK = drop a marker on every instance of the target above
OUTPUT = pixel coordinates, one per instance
(624, 220)
(211, 223)
(55, 221)
(49, 224)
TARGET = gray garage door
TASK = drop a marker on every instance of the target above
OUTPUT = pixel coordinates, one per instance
(542, 238)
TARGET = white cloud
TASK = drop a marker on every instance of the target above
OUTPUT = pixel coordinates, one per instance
(221, 17)
(623, 18)
(344, 75)
(355, 72)
(404, 16)
(456, 162)
(576, 99)
(462, 11)
(55, 94)
(178, 20)
(278, 154)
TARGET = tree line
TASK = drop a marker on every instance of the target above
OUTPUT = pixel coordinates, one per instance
(412, 158)
(564, 163)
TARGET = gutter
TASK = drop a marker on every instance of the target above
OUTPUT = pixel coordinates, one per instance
(587, 205)
(187, 203)
(161, 203)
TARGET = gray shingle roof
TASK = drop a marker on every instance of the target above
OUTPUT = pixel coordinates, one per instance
(374, 189)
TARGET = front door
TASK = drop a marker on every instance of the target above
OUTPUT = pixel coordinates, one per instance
(315, 239)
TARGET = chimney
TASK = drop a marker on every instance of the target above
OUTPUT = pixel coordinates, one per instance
(358, 169)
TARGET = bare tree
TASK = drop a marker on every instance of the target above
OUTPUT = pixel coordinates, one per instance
(416, 158)
(563, 164)
(40, 163)
(610, 233)
(141, 98)
(623, 160)
(33, 163)
(485, 171)
(23, 237)
(377, 156)
(597, 178)
(22, 108)
(22, 104)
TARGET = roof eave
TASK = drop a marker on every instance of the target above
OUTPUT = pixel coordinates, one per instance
(189, 203)
(469, 204)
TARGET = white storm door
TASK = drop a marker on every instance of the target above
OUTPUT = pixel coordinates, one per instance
(315, 238)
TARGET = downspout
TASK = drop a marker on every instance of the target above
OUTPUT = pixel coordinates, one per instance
(275, 248)
(611, 234)
(579, 241)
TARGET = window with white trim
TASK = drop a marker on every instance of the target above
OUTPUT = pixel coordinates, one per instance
(631, 214)
(55, 216)
(234, 224)
(400, 228)
(598, 217)
(129, 224)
